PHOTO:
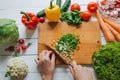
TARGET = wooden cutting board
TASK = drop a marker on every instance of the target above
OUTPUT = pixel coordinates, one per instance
(89, 33)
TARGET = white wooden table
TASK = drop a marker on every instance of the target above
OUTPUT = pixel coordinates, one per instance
(11, 9)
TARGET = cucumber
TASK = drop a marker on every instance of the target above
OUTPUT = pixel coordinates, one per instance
(41, 13)
(66, 5)
(58, 2)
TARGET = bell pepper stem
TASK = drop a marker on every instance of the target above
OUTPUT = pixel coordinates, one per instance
(27, 17)
(51, 6)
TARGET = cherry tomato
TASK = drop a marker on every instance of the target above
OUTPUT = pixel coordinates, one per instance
(41, 19)
(86, 15)
(75, 6)
(21, 41)
(18, 49)
(24, 47)
(92, 7)
(10, 48)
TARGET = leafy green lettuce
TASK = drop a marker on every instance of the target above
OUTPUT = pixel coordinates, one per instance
(8, 31)
(106, 62)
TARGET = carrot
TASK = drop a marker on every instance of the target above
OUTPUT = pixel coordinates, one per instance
(107, 33)
(115, 33)
(103, 2)
(113, 25)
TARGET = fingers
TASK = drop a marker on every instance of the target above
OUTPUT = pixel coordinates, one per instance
(71, 70)
(48, 53)
(37, 61)
(41, 55)
(74, 64)
(53, 58)
(45, 55)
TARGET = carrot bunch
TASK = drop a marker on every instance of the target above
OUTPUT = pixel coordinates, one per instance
(110, 30)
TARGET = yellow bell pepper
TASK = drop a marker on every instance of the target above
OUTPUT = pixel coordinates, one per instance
(53, 12)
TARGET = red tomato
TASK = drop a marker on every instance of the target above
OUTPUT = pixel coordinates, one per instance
(86, 15)
(92, 7)
(18, 49)
(41, 19)
(75, 6)
(24, 47)
(10, 48)
(21, 41)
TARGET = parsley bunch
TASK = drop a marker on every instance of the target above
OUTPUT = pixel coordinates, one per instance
(71, 18)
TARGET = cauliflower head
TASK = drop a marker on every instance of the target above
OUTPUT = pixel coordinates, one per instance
(17, 67)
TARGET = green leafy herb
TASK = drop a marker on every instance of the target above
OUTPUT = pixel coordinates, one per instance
(7, 74)
(71, 18)
(106, 62)
(67, 43)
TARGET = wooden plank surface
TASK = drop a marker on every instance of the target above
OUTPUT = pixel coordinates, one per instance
(11, 9)
(88, 32)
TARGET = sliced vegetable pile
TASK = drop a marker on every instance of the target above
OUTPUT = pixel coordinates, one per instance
(106, 62)
(110, 8)
(67, 43)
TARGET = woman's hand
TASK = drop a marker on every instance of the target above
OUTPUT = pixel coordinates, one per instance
(46, 64)
(79, 72)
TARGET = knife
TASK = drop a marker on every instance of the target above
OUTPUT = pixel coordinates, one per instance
(66, 58)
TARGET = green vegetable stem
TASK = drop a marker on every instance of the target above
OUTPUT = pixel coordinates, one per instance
(66, 5)
(58, 2)
(51, 5)
(7, 74)
(16, 53)
(27, 17)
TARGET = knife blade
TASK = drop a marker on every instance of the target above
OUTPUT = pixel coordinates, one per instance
(66, 58)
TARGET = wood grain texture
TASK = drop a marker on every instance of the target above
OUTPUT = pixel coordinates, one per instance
(88, 32)
(11, 9)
